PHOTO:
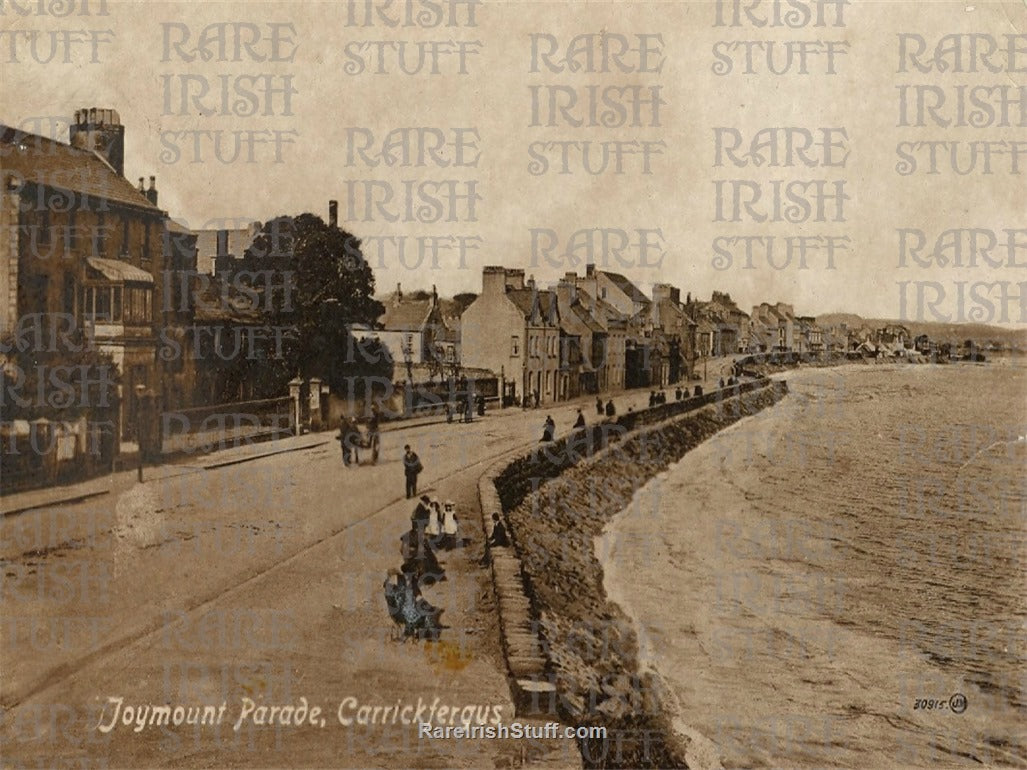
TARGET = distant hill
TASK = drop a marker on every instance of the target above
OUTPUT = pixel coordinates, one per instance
(1005, 336)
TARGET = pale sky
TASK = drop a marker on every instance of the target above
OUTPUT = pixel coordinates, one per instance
(495, 99)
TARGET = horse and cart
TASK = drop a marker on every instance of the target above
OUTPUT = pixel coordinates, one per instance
(354, 436)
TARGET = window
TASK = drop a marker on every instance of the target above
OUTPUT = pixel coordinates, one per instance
(44, 225)
(104, 303)
(515, 346)
(100, 235)
(72, 239)
(69, 294)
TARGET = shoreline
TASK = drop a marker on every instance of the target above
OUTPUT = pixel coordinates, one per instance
(630, 582)
(596, 665)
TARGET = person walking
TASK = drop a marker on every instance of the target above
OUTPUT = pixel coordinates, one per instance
(412, 467)
(599, 406)
(450, 528)
(548, 429)
(580, 422)
(611, 411)
(347, 434)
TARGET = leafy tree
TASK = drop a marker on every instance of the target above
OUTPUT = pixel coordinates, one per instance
(321, 286)
(463, 301)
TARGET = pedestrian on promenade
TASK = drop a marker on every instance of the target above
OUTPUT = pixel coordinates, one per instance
(411, 468)
(580, 422)
(652, 398)
(599, 406)
(548, 429)
(347, 434)
(422, 513)
(677, 394)
(498, 537)
(610, 409)
(450, 529)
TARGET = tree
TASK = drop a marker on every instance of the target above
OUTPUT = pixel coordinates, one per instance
(320, 285)
(463, 301)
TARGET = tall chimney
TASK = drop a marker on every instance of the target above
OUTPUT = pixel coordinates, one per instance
(222, 260)
(151, 194)
(100, 131)
(222, 243)
(493, 280)
(333, 214)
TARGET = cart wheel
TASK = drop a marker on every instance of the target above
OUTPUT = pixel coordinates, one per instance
(374, 449)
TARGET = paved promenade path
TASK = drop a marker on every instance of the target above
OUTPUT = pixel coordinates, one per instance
(217, 580)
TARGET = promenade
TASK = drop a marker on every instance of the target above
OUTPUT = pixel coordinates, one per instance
(255, 573)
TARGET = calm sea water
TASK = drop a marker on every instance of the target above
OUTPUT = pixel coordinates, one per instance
(804, 580)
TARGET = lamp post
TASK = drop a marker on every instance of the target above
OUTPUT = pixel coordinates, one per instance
(143, 401)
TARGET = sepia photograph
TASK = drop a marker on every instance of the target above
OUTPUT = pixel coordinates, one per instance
(513, 384)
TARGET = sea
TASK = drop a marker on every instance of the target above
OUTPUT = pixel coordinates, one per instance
(841, 580)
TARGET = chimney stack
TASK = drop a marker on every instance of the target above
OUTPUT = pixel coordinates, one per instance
(222, 260)
(100, 131)
(151, 194)
(333, 214)
(493, 280)
(142, 187)
(222, 243)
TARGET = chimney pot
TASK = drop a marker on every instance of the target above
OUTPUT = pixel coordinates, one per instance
(141, 185)
(333, 213)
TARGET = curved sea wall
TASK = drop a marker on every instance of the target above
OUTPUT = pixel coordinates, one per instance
(557, 500)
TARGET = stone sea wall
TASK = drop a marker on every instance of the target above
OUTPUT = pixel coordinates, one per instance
(557, 500)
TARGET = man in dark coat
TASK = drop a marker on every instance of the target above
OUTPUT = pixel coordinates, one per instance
(610, 409)
(347, 439)
(580, 422)
(411, 469)
(498, 537)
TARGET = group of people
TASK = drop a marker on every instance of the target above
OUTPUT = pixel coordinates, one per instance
(658, 397)
(432, 525)
(730, 382)
(609, 409)
(466, 408)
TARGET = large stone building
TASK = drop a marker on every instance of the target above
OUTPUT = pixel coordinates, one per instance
(779, 318)
(513, 330)
(83, 244)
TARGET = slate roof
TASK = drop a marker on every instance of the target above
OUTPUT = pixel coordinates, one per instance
(402, 314)
(43, 161)
(535, 304)
(627, 287)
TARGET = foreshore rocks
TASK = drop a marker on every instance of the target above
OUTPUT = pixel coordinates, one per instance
(557, 501)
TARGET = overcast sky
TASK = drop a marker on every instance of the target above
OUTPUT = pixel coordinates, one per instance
(495, 99)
